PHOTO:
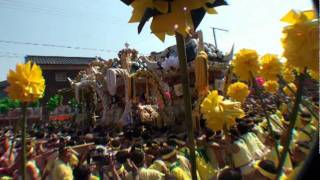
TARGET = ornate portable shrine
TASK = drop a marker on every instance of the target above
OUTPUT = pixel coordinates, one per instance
(133, 88)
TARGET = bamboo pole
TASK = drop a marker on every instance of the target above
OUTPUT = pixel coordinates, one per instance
(303, 101)
(187, 101)
(229, 158)
(292, 118)
(258, 93)
(309, 161)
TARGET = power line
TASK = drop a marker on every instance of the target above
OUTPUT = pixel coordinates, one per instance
(56, 46)
(5, 54)
(45, 7)
(10, 56)
(33, 9)
(37, 8)
(12, 53)
(28, 5)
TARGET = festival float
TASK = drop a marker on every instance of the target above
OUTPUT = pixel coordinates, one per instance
(149, 86)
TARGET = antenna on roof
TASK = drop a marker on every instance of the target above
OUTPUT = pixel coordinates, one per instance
(214, 34)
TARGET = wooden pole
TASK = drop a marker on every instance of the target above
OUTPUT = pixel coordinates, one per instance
(316, 6)
(23, 147)
(15, 131)
(187, 101)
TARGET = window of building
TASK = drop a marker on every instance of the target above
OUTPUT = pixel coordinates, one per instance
(61, 76)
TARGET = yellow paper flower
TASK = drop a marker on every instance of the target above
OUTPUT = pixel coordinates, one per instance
(270, 67)
(288, 75)
(212, 99)
(26, 83)
(171, 16)
(287, 91)
(301, 40)
(246, 61)
(205, 169)
(271, 86)
(219, 112)
(167, 24)
(238, 91)
(314, 75)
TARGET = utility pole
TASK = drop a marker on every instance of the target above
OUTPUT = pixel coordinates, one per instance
(214, 34)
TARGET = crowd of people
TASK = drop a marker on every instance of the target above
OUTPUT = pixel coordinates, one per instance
(62, 151)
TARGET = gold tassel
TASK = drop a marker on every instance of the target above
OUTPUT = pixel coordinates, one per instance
(201, 73)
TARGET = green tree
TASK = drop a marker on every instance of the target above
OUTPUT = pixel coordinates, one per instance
(53, 102)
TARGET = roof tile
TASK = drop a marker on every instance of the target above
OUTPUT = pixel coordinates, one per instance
(60, 60)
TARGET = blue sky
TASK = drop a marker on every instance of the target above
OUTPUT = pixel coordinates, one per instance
(102, 24)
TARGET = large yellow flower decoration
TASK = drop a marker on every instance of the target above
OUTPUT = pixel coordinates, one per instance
(301, 40)
(238, 91)
(171, 16)
(212, 99)
(288, 75)
(314, 75)
(219, 112)
(287, 91)
(270, 67)
(245, 63)
(271, 86)
(26, 83)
